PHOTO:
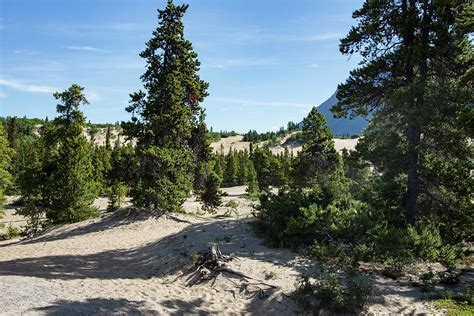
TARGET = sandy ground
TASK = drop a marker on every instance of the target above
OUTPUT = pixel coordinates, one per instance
(237, 143)
(133, 263)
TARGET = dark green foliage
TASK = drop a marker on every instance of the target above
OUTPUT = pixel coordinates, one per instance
(267, 167)
(252, 182)
(417, 145)
(6, 153)
(216, 136)
(72, 188)
(166, 178)
(333, 291)
(211, 196)
(417, 60)
(254, 137)
(232, 166)
(101, 157)
(167, 120)
(120, 176)
(108, 135)
(17, 127)
(58, 175)
(118, 192)
(318, 156)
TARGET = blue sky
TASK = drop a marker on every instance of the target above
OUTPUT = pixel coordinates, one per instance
(267, 61)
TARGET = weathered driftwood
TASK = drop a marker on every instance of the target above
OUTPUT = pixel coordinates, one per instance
(213, 264)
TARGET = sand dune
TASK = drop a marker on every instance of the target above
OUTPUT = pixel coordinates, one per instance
(237, 143)
(135, 263)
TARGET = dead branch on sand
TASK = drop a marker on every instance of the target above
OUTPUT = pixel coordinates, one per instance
(213, 264)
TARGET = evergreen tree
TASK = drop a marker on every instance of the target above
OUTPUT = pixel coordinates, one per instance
(243, 168)
(108, 136)
(262, 162)
(410, 74)
(12, 132)
(252, 182)
(210, 196)
(6, 153)
(71, 186)
(217, 168)
(166, 115)
(318, 157)
(232, 169)
(102, 165)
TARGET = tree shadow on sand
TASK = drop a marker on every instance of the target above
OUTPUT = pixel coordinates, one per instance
(107, 221)
(96, 306)
(168, 255)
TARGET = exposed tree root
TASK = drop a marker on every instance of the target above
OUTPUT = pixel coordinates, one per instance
(213, 265)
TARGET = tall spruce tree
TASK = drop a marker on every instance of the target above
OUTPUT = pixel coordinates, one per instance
(71, 188)
(6, 153)
(166, 115)
(319, 157)
(409, 75)
(108, 136)
(251, 181)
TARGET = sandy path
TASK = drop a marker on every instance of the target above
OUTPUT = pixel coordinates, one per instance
(138, 264)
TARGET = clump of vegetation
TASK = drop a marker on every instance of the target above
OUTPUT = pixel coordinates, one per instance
(232, 210)
(117, 195)
(270, 275)
(463, 305)
(13, 232)
(335, 292)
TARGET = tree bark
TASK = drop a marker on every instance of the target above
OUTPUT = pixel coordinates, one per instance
(413, 128)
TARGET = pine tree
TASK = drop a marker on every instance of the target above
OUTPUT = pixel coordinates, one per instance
(243, 167)
(232, 169)
(211, 196)
(6, 153)
(318, 158)
(71, 187)
(262, 162)
(12, 132)
(252, 182)
(166, 115)
(412, 63)
(108, 136)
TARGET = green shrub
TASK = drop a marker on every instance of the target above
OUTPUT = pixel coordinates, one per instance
(468, 295)
(332, 291)
(454, 307)
(426, 242)
(232, 208)
(13, 231)
(327, 251)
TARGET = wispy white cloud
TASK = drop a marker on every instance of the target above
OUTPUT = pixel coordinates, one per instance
(25, 87)
(314, 66)
(87, 48)
(92, 96)
(254, 103)
(25, 52)
(3, 95)
(323, 37)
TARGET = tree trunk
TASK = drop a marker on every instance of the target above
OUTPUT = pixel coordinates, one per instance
(413, 130)
(415, 127)
(414, 136)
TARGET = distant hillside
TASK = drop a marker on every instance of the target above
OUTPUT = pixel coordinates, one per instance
(341, 126)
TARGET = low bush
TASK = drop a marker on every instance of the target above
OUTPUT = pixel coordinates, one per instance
(345, 292)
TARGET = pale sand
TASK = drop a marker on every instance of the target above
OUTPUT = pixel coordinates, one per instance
(137, 264)
(237, 143)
